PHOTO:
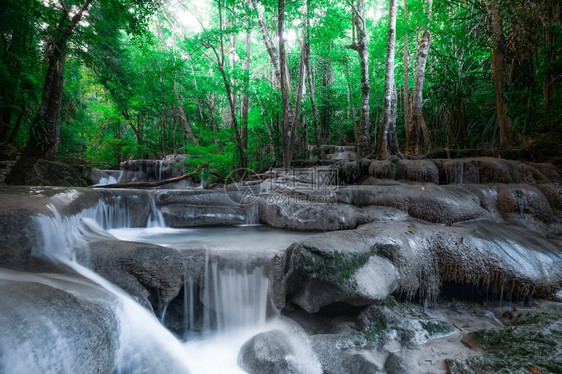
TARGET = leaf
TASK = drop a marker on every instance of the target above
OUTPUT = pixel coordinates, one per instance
(412, 228)
(535, 371)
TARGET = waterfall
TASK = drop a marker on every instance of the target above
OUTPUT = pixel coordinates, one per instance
(155, 219)
(104, 177)
(456, 173)
(222, 308)
(64, 236)
(145, 346)
(189, 310)
(234, 299)
(159, 170)
(252, 217)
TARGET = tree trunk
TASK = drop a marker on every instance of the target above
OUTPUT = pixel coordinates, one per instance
(237, 130)
(312, 96)
(5, 119)
(351, 113)
(279, 62)
(413, 142)
(183, 118)
(246, 96)
(273, 56)
(500, 73)
(288, 115)
(326, 100)
(388, 139)
(310, 81)
(364, 146)
(405, 63)
(550, 41)
(45, 132)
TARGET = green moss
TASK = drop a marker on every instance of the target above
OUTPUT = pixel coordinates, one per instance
(436, 327)
(534, 340)
(336, 267)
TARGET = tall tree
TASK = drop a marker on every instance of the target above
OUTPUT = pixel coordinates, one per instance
(361, 46)
(67, 15)
(45, 134)
(500, 71)
(405, 76)
(388, 139)
(417, 122)
(290, 113)
(310, 80)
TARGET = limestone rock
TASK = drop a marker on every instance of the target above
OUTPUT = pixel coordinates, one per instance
(340, 267)
(269, 352)
(46, 330)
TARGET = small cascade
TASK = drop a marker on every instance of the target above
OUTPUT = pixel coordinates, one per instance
(109, 216)
(252, 216)
(234, 299)
(145, 345)
(105, 181)
(155, 219)
(105, 177)
(456, 173)
(189, 308)
(158, 170)
(62, 240)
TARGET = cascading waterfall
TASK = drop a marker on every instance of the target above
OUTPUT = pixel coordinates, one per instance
(155, 219)
(234, 300)
(456, 173)
(145, 346)
(221, 310)
(159, 170)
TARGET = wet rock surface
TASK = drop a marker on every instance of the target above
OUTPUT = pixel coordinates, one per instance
(531, 342)
(45, 329)
(413, 240)
(268, 352)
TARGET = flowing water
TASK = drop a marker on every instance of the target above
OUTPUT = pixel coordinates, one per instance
(236, 302)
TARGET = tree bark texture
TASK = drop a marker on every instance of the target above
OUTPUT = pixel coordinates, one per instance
(405, 63)
(500, 72)
(361, 46)
(413, 142)
(45, 132)
(246, 95)
(388, 139)
(183, 119)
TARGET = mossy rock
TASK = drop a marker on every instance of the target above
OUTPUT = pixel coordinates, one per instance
(532, 344)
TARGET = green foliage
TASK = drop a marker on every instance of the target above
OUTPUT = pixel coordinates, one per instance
(215, 156)
(129, 57)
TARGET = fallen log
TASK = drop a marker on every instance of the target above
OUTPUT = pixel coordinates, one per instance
(149, 184)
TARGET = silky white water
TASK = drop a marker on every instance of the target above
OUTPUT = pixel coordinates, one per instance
(236, 301)
(246, 238)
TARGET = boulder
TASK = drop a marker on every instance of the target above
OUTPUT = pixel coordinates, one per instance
(417, 171)
(308, 213)
(142, 267)
(382, 169)
(52, 173)
(45, 329)
(339, 267)
(439, 204)
(185, 215)
(413, 258)
(336, 359)
(460, 171)
(269, 352)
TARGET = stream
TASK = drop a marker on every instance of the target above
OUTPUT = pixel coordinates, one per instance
(236, 303)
